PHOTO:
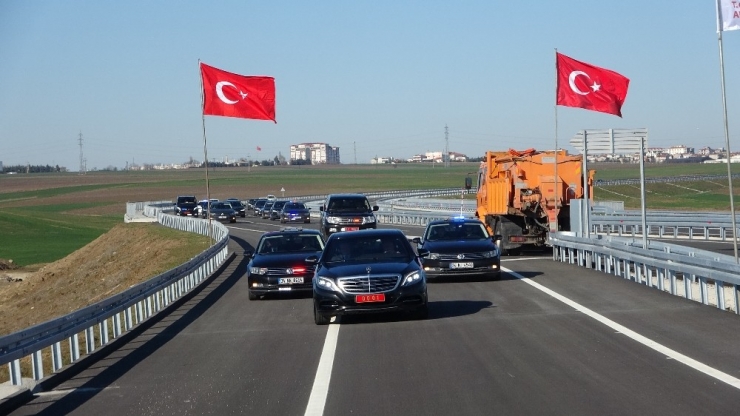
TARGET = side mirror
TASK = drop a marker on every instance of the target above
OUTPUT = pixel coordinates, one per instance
(416, 240)
(422, 252)
(497, 237)
(311, 259)
(321, 208)
(248, 254)
(375, 208)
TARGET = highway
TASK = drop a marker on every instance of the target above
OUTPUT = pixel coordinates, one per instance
(549, 338)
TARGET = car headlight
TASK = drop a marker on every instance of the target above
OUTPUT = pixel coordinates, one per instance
(433, 256)
(332, 220)
(368, 220)
(326, 284)
(489, 254)
(258, 270)
(412, 278)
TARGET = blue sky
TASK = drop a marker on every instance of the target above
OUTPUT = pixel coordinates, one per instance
(372, 77)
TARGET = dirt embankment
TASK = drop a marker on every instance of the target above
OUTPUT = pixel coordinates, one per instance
(124, 256)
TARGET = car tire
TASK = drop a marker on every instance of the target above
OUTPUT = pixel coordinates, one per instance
(319, 318)
(253, 296)
(282, 220)
(496, 277)
(308, 221)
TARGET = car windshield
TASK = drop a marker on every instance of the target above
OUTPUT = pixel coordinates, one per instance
(186, 200)
(260, 203)
(290, 243)
(456, 231)
(235, 204)
(221, 205)
(294, 206)
(374, 249)
(349, 205)
(278, 205)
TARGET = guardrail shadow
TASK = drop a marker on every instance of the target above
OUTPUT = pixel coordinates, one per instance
(101, 369)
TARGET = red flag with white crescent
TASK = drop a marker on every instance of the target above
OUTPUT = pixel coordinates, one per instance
(233, 95)
(587, 86)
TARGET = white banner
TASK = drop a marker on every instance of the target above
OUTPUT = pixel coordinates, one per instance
(728, 15)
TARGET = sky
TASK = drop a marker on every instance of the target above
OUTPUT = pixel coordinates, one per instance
(375, 78)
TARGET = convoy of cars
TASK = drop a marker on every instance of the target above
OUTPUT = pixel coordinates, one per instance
(348, 265)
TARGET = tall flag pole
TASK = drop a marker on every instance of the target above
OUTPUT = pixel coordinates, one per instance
(728, 18)
(205, 155)
(232, 95)
(554, 224)
(582, 85)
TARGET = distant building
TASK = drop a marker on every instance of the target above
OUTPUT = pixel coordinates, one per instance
(317, 153)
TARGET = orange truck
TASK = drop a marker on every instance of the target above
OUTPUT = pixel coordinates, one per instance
(517, 198)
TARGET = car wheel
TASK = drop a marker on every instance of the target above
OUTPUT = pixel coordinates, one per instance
(318, 317)
(307, 221)
(496, 276)
(253, 296)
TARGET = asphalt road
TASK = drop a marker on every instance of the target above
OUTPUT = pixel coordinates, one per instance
(590, 343)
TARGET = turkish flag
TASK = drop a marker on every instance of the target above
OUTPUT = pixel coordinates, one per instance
(586, 86)
(232, 95)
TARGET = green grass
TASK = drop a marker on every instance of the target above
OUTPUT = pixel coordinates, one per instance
(43, 233)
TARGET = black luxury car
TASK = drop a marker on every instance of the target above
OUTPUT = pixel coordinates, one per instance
(258, 205)
(278, 264)
(222, 211)
(459, 246)
(264, 212)
(295, 212)
(346, 212)
(366, 272)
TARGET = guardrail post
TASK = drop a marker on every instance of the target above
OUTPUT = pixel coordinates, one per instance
(74, 348)
(37, 365)
(89, 340)
(720, 289)
(687, 286)
(736, 299)
(14, 369)
(56, 356)
(103, 327)
(703, 290)
(127, 319)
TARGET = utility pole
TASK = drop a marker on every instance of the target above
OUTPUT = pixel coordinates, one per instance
(447, 148)
(354, 145)
(82, 159)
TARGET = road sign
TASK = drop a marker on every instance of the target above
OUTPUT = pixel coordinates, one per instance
(610, 141)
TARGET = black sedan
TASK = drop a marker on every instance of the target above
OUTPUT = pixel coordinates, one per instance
(241, 210)
(295, 212)
(222, 211)
(460, 247)
(277, 207)
(368, 271)
(278, 264)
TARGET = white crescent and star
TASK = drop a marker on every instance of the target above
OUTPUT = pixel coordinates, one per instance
(220, 92)
(572, 82)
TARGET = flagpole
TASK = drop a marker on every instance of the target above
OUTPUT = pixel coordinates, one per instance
(205, 151)
(557, 209)
(727, 134)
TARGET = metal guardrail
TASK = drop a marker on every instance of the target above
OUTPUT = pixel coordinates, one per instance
(120, 313)
(665, 224)
(704, 276)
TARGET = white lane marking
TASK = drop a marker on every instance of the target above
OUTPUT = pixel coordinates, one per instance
(70, 391)
(320, 390)
(696, 365)
(526, 258)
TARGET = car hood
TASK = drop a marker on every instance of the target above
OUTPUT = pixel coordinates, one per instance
(282, 259)
(357, 269)
(459, 246)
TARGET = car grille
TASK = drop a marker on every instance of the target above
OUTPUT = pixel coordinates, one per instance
(351, 221)
(373, 284)
(454, 256)
(283, 271)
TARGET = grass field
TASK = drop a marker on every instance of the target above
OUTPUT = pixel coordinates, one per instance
(47, 216)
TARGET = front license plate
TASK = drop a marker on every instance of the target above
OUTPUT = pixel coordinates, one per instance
(379, 297)
(289, 280)
(350, 228)
(462, 265)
